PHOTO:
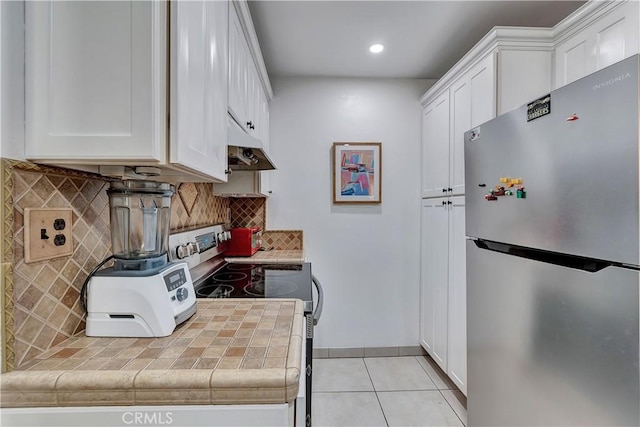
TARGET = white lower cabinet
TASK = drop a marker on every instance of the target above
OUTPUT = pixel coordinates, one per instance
(265, 415)
(443, 286)
(434, 279)
(457, 316)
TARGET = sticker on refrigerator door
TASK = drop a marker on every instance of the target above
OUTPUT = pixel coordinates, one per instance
(474, 134)
(539, 108)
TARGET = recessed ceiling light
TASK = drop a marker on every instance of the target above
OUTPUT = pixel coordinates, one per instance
(376, 48)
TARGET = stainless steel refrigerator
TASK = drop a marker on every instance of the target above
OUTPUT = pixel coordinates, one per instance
(553, 258)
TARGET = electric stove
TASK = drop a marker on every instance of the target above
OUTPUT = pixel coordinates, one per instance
(203, 250)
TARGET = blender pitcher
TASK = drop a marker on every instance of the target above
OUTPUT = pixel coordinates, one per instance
(140, 212)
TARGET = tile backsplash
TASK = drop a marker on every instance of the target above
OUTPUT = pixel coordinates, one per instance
(41, 299)
(287, 240)
(248, 212)
(194, 205)
(46, 294)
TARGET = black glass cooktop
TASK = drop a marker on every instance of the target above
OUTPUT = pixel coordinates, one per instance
(258, 281)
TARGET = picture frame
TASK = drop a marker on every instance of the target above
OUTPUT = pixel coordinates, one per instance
(357, 172)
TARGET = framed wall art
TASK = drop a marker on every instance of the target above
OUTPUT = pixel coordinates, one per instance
(357, 172)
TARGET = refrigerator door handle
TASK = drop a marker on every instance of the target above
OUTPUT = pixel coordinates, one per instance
(590, 265)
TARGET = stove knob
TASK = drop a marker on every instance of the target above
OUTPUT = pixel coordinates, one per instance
(182, 294)
(193, 247)
(182, 251)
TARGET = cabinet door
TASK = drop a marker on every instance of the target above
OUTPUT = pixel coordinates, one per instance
(525, 75)
(482, 86)
(435, 147)
(263, 121)
(237, 68)
(199, 86)
(457, 337)
(609, 39)
(460, 123)
(433, 279)
(95, 81)
(253, 101)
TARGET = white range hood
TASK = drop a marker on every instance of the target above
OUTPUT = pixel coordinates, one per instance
(245, 151)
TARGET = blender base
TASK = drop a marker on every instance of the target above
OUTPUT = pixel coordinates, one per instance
(145, 305)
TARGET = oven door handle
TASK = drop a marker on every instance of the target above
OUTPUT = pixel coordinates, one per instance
(318, 311)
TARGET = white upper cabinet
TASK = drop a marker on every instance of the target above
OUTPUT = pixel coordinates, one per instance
(97, 86)
(245, 86)
(263, 126)
(482, 80)
(473, 101)
(435, 147)
(95, 81)
(238, 70)
(507, 68)
(254, 92)
(460, 113)
(199, 76)
(595, 36)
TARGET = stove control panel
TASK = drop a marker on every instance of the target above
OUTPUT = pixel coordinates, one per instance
(197, 246)
(206, 241)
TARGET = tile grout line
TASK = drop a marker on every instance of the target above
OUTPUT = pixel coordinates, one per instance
(376, 392)
(454, 411)
(442, 394)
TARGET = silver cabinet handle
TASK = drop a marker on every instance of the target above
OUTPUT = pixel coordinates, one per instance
(318, 311)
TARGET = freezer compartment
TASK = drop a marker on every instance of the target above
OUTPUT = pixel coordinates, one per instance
(549, 344)
(580, 176)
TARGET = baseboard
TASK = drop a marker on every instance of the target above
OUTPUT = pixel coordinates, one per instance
(330, 353)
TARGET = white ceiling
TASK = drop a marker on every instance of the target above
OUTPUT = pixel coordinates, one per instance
(422, 39)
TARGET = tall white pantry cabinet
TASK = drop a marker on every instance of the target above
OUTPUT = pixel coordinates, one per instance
(469, 94)
(506, 69)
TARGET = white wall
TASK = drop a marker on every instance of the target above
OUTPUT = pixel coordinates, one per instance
(12, 79)
(367, 257)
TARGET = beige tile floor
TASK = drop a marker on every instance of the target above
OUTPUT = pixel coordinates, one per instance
(385, 391)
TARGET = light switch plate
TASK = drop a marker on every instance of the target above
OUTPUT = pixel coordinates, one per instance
(47, 233)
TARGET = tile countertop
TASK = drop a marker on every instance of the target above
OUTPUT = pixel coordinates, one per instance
(271, 257)
(234, 351)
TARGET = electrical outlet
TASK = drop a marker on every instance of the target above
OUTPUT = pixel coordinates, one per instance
(47, 233)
